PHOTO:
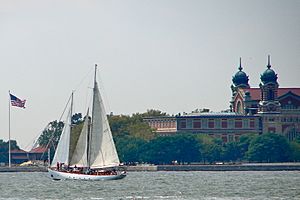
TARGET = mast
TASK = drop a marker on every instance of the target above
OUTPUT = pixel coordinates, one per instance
(90, 126)
(71, 111)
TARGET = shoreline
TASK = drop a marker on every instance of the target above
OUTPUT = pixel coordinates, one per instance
(154, 168)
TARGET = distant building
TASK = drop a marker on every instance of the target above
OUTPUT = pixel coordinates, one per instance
(278, 108)
(266, 109)
(227, 126)
(19, 156)
(38, 153)
(163, 125)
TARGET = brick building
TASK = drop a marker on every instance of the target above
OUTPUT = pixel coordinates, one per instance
(265, 109)
(278, 108)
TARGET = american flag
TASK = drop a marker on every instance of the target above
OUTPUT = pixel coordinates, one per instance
(15, 101)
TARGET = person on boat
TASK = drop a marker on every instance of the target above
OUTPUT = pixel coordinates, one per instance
(57, 166)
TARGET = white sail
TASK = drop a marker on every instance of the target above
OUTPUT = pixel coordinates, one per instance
(62, 150)
(79, 157)
(102, 152)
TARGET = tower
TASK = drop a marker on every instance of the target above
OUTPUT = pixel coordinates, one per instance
(239, 80)
(269, 106)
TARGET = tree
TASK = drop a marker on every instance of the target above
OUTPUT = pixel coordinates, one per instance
(164, 150)
(244, 143)
(269, 148)
(130, 149)
(77, 118)
(232, 151)
(154, 113)
(53, 132)
(4, 149)
(54, 129)
(295, 151)
(122, 125)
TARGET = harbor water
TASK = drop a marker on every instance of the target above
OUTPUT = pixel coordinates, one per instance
(228, 185)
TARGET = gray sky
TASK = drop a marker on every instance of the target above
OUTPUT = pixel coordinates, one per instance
(171, 55)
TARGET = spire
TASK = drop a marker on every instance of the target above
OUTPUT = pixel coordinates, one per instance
(240, 68)
(269, 65)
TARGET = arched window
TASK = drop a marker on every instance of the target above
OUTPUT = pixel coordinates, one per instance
(239, 108)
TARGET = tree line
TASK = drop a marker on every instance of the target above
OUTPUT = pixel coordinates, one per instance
(137, 142)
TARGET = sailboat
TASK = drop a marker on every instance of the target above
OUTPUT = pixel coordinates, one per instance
(94, 156)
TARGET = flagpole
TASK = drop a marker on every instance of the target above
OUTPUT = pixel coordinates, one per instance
(9, 153)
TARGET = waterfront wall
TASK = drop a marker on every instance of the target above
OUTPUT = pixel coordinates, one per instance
(228, 168)
(235, 167)
(153, 168)
(23, 169)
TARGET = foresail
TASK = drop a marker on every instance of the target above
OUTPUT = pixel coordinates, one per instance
(79, 157)
(102, 148)
(62, 151)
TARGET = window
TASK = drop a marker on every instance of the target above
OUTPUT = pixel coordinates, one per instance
(197, 123)
(239, 107)
(183, 123)
(211, 123)
(224, 123)
(238, 123)
(252, 123)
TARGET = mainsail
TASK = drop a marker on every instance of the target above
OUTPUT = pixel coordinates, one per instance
(102, 150)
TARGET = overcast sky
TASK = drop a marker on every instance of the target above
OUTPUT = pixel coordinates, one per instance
(171, 55)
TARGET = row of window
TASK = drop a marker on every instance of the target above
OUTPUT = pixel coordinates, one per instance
(212, 123)
(290, 119)
(163, 124)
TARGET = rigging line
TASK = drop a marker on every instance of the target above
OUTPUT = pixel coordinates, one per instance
(103, 95)
(52, 136)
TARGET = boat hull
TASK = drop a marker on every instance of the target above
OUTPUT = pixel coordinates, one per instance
(59, 175)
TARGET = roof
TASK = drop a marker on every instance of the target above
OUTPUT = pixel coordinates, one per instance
(215, 115)
(256, 92)
(40, 149)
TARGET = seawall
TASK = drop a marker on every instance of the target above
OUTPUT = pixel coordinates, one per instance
(224, 167)
(23, 169)
(153, 168)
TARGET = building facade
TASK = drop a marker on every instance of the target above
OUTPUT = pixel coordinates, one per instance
(227, 126)
(163, 125)
(264, 109)
(278, 108)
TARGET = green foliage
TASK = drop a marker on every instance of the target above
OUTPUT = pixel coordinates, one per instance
(243, 144)
(154, 113)
(54, 129)
(295, 151)
(232, 152)
(4, 149)
(77, 118)
(269, 148)
(130, 149)
(53, 132)
(134, 126)
(163, 150)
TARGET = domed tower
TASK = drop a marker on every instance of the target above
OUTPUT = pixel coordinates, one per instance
(269, 106)
(269, 89)
(239, 80)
